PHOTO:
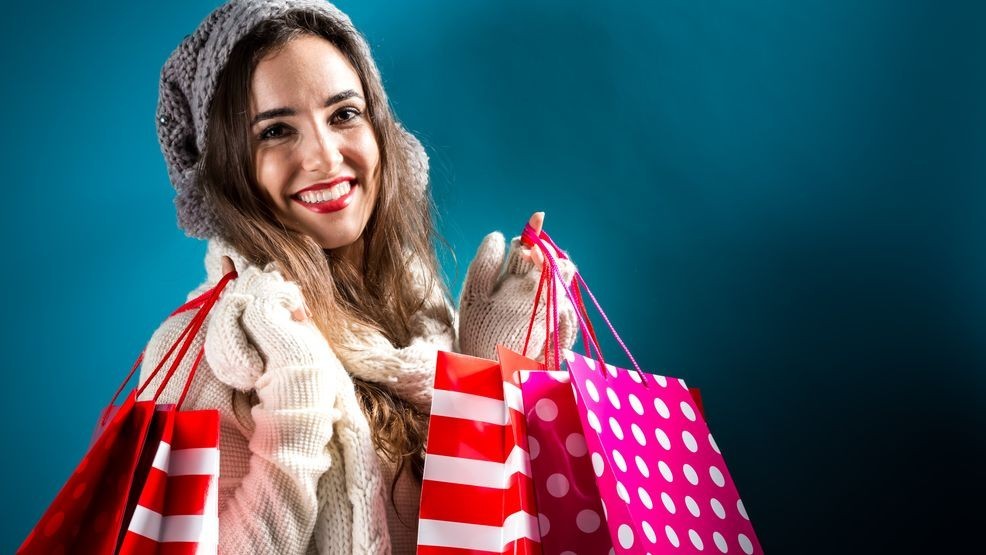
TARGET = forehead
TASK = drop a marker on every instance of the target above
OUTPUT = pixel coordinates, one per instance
(302, 74)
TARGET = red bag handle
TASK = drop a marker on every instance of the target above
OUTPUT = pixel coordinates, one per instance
(542, 240)
(204, 304)
(549, 271)
(549, 305)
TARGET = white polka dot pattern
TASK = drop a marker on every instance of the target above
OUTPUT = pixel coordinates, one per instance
(588, 521)
(546, 410)
(575, 444)
(647, 436)
(571, 515)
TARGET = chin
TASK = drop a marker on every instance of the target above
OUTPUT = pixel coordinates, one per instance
(338, 238)
(335, 244)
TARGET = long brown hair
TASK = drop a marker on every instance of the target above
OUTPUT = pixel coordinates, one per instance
(400, 232)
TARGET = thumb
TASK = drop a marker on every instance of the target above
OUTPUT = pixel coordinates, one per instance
(228, 265)
(537, 222)
(485, 267)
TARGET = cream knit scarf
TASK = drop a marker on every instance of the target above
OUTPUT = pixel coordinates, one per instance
(407, 371)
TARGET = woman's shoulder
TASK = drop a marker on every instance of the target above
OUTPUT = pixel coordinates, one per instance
(171, 331)
(163, 349)
(216, 249)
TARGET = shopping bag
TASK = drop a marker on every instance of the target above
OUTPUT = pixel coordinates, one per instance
(662, 483)
(178, 504)
(476, 494)
(102, 504)
(565, 495)
(660, 473)
(86, 515)
(564, 483)
(571, 516)
(476, 419)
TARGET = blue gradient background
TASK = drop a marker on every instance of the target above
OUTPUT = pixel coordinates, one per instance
(781, 202)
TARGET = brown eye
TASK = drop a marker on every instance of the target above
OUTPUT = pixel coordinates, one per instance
(271, 132)
(350, 113)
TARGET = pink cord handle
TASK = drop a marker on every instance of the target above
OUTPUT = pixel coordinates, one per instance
(532, 238)
(542, 240)
(550, 269)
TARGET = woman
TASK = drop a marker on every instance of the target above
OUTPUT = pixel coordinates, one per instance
(320, 355)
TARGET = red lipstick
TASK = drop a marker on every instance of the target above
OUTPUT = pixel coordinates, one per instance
(333, 205)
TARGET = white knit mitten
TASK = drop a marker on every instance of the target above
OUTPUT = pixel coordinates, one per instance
(251, 330)
(496, 303)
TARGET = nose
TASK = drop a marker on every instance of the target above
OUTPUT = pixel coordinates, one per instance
(321, 152)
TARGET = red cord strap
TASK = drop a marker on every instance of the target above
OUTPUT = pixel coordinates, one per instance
(542, 240)
(204, 304)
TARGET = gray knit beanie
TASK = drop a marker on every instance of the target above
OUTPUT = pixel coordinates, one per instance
(188, 81)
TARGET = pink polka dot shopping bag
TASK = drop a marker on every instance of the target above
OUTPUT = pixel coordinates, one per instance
(149, 482)
(623, 460)
(663, 482)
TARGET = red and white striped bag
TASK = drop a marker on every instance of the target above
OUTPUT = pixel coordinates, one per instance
(177, 511)
(476, 496)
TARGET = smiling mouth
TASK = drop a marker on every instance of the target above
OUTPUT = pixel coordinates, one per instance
(324, 195)
(329, 199)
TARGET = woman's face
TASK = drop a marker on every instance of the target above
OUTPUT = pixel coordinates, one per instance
(314, 150)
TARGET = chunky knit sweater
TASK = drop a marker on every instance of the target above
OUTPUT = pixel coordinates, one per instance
(298, 470)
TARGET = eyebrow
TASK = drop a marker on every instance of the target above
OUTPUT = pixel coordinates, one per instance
(281, 112)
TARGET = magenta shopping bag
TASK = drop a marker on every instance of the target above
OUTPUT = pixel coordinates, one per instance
(661, 482)
(623, 465)
(660, 473)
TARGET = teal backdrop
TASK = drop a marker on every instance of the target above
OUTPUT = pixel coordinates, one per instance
(781, 202)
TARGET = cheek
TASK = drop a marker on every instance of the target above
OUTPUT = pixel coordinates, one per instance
(369, 156)
(271, 174)
(369, 152)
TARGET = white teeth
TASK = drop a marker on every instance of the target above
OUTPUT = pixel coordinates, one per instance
(325, 195)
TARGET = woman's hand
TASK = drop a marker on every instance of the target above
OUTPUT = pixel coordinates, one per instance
(533, 252)
(495, 306)
(299, 314)
(258, 324)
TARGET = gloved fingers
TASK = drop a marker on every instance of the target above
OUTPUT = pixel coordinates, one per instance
(519, 259)
(287, 293)
(567, 270)
(268, 286)
(272, 313)
(270, 322)
(484, 271)
(283, 298)
(521, 265)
